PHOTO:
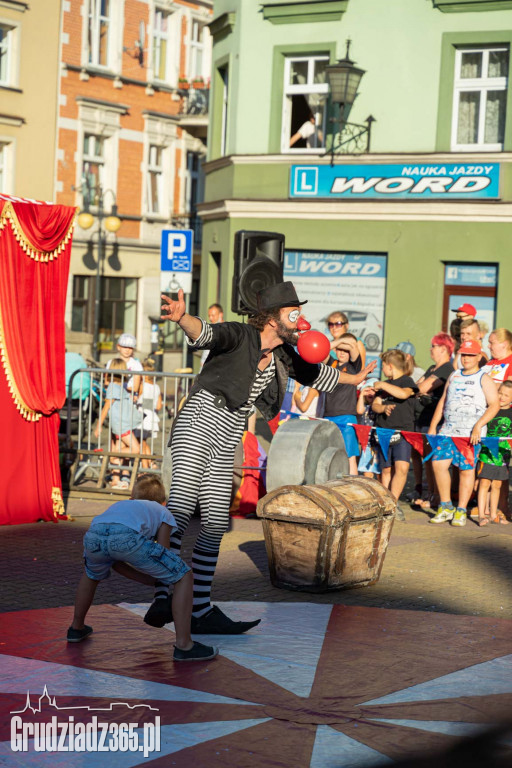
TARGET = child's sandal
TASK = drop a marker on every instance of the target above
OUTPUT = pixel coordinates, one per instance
(483, 521)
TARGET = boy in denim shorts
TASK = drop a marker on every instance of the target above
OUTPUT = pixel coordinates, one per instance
(122, 538)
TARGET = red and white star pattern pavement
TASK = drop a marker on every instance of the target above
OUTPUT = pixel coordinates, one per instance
(312, 685)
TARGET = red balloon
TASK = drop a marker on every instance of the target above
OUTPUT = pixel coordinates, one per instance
(313, 346)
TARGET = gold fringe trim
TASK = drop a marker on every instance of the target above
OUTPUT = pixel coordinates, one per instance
(9, 215)
(58, 505)
(24, 410)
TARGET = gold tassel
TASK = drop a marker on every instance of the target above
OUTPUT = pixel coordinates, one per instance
(58, 505)
(9, 215)
(24, 410)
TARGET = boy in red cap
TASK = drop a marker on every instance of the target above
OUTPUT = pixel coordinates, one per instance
(469, 402)
(464, 312)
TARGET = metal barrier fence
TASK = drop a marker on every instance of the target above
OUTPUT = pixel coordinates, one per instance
(117, 425)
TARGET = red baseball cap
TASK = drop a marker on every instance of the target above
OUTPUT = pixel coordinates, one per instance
(470, 348)
(467, 308)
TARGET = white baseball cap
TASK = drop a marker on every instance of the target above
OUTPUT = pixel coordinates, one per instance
(127, 340)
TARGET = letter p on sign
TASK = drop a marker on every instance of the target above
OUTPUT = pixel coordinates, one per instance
(177, 250)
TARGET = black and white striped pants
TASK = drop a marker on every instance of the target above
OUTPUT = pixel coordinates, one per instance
(203, 444)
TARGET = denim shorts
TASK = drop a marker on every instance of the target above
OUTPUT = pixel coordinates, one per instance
(399, 451)
(107, 543)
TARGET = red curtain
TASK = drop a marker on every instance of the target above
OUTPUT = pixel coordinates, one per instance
(35, 247)
(252, 487)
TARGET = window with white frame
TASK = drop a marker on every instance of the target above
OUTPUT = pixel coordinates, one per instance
(480, 96)
(6, 180)
(196, 49)
(93, 164)
(7, 54)
(99, 26)
(159, 153)
(161, 44)
(304, 104)
(154, 179)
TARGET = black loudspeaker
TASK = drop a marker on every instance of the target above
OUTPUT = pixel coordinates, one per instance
(258, 264)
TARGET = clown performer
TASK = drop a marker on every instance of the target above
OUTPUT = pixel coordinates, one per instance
(248, 367)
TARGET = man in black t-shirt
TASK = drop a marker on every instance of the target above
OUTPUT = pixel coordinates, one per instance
(394, 406)
(340, 404)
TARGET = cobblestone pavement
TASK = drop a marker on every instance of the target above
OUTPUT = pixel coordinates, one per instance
(427, 568)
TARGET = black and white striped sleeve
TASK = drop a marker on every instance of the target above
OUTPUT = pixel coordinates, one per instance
(327, 379)
(204, 338)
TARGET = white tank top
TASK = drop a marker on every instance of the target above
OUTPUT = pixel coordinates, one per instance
(465, 403)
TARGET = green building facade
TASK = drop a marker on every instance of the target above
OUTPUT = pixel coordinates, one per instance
(396, 234)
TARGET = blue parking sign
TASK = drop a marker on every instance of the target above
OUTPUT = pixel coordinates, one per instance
(177, 250)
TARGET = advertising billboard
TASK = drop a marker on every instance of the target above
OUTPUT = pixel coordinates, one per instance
(351, 282)
(445, 181)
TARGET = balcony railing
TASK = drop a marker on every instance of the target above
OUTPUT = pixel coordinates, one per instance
(349, 138)
(195, 100)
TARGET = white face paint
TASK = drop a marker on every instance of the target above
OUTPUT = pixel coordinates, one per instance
(294, 315)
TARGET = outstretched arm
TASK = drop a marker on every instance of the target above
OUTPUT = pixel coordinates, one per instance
(397, 392)
(357, 378)
(175, 311)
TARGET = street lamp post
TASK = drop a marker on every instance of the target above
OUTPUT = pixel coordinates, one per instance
(344, 79)
(111, 223)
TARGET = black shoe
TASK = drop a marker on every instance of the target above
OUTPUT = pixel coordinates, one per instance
(77, 635)
(198, 652)
(159, 612)
(217, 623)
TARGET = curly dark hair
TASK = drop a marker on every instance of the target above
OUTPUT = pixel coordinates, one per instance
(260, 320)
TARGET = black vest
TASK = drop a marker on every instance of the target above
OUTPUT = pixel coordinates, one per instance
(230, 368)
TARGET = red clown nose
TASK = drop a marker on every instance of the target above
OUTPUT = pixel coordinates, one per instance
(302, 324)
(313, 346)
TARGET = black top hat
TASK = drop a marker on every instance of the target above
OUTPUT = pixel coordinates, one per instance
(277, 296)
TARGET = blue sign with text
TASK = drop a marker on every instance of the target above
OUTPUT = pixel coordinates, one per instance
(177, 250)
(443, 181)
(471, 274)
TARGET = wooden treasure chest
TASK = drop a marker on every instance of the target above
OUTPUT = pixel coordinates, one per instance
(329, 536)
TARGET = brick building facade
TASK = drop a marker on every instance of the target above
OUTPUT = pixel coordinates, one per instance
(132, 123)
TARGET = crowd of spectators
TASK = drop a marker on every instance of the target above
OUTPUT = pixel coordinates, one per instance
(466, 394)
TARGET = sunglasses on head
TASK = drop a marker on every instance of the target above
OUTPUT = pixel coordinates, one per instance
(338, 323)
